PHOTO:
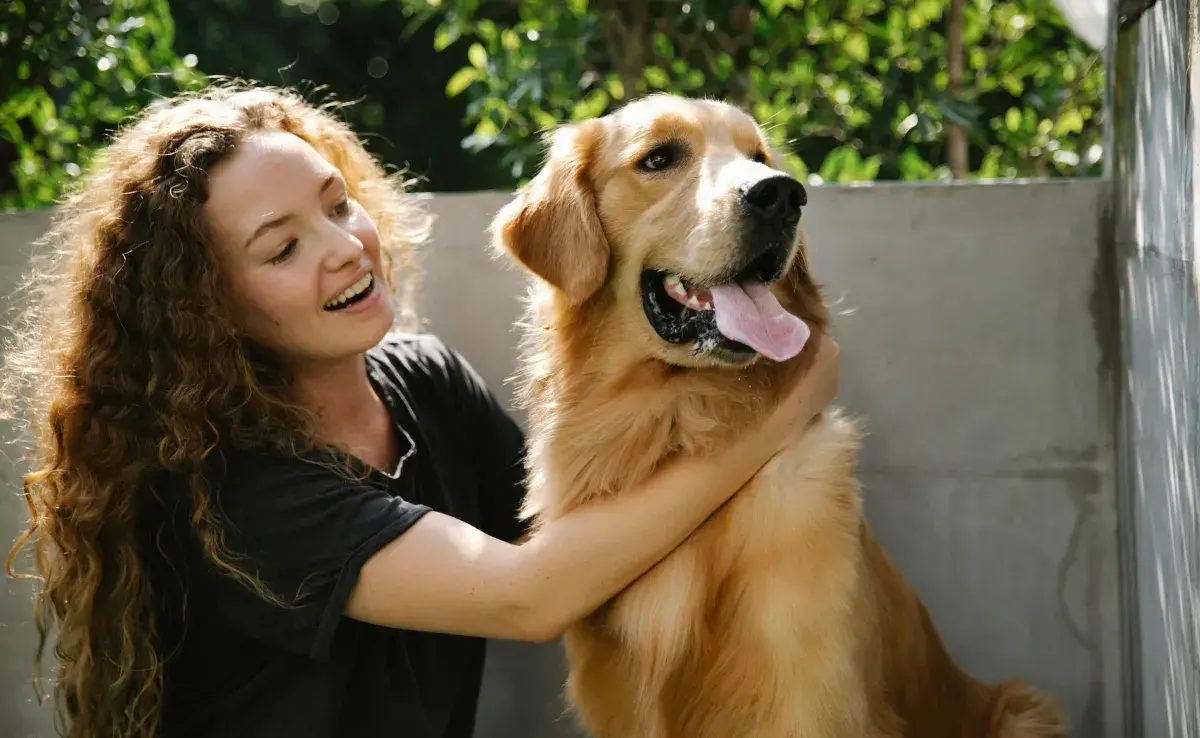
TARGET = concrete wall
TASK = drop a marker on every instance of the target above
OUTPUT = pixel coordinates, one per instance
(976, 353)
(20, 715)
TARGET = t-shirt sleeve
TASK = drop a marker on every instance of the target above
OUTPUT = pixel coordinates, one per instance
(306, 532)
(499, 452)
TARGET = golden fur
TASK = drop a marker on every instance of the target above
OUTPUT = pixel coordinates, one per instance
(781, 616)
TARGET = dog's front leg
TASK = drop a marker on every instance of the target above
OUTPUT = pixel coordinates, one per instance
(657, 619)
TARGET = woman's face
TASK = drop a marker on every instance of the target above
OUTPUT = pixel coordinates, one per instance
(301, 259)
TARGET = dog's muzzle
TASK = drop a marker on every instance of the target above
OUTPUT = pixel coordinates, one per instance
(774, 203)
(770, 210)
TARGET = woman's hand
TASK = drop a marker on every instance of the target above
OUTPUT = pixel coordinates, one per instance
(809, 396)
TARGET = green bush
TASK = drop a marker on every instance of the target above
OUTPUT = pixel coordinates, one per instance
(69, 71)
(857, 89)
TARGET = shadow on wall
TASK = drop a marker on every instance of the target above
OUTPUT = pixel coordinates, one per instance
(972, 353)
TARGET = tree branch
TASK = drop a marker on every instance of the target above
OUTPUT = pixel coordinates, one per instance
(956, 136)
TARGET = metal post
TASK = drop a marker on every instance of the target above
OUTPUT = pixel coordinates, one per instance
(1154, 105)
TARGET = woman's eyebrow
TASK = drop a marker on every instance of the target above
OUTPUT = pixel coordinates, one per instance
(276, 222)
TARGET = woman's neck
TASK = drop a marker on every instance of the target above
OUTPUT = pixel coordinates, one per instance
(340, 395)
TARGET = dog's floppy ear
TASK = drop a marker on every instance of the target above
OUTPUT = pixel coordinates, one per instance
(552, 227)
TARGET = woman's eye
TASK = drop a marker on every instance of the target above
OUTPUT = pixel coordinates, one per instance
(342, 208)
(285, 252)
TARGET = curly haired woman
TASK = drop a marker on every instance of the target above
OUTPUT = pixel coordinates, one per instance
(257, 509)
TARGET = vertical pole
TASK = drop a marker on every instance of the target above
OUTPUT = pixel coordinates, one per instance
(1154, 114)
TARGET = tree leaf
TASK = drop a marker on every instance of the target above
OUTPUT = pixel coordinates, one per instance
(657, 77)
(856, 47)
(841, 165)
(913, 167)
(461, 80)
(1069, 122)
(960, 112)
(446, 34)
(477, 56)
(1012, 120)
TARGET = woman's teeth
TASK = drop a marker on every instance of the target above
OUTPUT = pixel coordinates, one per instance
(351, 292)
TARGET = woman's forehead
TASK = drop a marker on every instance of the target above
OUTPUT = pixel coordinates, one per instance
(270, 174)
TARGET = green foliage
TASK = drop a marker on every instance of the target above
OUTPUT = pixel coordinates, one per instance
(353, 51)
(69, 71)
(854, 89)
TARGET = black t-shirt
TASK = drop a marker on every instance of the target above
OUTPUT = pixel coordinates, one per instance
(238, 665)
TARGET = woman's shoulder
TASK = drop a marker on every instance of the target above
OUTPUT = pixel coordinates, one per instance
(233, 468)
(404, 348)
(436, 381)
(404, 359)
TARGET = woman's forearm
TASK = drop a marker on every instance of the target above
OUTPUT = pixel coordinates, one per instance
(575, 563)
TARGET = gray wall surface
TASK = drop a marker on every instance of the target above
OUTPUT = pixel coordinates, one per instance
(973, 345)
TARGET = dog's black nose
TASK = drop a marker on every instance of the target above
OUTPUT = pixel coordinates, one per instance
(774, 200)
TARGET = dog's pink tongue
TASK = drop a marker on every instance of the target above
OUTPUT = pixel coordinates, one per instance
(750, 314)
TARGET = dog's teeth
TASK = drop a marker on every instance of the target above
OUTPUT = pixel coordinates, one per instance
(675, 285)
(693, 303)
(706, 306)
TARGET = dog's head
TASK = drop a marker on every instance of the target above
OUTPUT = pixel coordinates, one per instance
(673, 217)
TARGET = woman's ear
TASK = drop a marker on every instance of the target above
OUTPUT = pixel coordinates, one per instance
(552, 227)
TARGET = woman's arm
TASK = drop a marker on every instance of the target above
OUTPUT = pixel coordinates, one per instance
(444, 575)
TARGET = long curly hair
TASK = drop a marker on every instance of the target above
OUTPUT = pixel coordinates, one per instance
(127, 364)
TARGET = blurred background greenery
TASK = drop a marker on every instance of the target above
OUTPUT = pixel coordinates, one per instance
(458, 91)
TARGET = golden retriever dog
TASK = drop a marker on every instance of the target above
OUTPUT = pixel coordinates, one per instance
(670, 302)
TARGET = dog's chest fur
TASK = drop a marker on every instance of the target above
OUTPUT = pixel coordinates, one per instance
(746, 615)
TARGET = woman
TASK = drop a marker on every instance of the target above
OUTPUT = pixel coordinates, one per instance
(259, 511)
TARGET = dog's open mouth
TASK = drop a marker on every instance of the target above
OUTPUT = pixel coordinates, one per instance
(739, 317)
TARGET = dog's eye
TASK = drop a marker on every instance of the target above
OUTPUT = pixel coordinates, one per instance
(663, 157)
(760, 156)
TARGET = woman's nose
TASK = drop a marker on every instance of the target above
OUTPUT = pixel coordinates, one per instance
(341, 245)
